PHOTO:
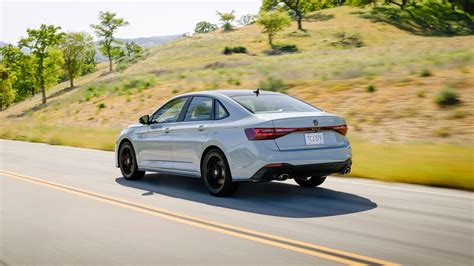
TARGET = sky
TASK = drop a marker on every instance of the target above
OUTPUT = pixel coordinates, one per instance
(146, 17)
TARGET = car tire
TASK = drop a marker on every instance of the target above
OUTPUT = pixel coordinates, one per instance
(216, 174)
(128, 162)
(311, 181)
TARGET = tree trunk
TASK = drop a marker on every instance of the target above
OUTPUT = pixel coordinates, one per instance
(270, 40)
(404, 3)
(299, 19)
(43, 91)
(110, 64)
(109, 55)
(71, 77)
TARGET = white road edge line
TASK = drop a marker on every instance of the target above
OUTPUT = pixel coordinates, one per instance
(402, 189)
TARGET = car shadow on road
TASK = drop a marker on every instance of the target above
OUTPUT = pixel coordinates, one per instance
(273, 198)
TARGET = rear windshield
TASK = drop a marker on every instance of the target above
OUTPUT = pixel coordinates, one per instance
(273, 103)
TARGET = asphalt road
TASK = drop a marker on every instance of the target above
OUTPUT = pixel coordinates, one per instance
(64, 205)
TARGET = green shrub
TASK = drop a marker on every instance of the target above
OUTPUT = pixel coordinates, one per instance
(233, 81)
(130, 84)
(282, 49)
(447, 96)
(227, 50)
(442, 132)
(101, 105)
(348, 41)
(150, 82)
(420, 93)
(459, 114)
(426, 73)
(139, 84)
(121, 66)
(234, 50)
(370, 88)
(286, 48)
(272, 84)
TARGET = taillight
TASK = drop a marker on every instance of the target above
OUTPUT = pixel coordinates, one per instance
(273, 133)
(267, 133)
(342, 129)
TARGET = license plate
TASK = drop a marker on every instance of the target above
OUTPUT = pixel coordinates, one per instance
(314, 138)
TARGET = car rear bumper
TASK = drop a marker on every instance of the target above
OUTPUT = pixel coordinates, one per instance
(285, 171)
(248, 159)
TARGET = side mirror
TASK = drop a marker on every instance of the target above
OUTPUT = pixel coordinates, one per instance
(145, 120)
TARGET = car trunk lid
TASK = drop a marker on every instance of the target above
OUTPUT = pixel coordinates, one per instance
(307, 130)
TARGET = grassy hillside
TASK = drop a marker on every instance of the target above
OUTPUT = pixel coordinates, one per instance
(406, 70)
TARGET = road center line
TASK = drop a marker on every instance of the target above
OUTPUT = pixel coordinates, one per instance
(260, 237)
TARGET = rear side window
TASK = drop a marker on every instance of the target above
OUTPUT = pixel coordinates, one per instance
(273, 103)
(220, 111)
(199, 109)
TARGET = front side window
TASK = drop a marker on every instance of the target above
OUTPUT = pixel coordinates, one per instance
(169, 112)
(273, 103)
(199, 109)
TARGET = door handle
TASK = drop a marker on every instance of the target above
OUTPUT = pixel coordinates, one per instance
(201, 128)
(167, 130)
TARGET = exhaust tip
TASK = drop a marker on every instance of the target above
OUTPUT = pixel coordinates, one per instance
(346, 171)
(283, 177)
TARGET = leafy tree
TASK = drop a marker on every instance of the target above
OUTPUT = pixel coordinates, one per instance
(118, 53)
(22, 67)
(7, 93)
(89, 63)
(133, 49)
(204, 27)
(247, 20)
(227, 19)
(297, 8)
(273, 22)
(466, 5)
(361, 2)
(40, 43)
(105, 30)
(53, 67)
(75, 46)
(402, 4)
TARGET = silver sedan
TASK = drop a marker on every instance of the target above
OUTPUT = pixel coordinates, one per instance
(227, 137)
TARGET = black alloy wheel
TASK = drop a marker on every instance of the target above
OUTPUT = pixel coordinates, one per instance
(128, 163)
(216, 174)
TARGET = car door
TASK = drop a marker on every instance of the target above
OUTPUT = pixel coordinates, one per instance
(154, 141)
(190, 134)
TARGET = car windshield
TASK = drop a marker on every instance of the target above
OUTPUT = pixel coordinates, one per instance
(273, 103)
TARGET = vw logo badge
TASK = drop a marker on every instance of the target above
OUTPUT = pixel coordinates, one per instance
(315, 122)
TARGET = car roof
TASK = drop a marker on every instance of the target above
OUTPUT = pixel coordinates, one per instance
(230, 93)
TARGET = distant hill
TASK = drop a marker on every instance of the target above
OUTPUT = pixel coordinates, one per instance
(3, 44)
(145, 42)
